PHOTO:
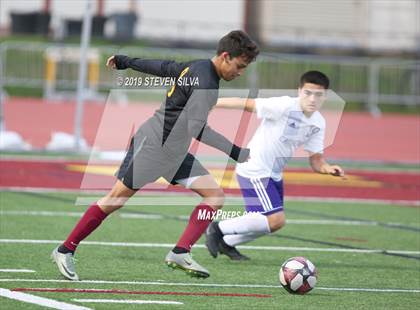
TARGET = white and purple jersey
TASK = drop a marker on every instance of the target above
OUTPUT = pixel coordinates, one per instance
(283, 129)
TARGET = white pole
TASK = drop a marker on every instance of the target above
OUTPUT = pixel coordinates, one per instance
(84, 45)
(2, 95)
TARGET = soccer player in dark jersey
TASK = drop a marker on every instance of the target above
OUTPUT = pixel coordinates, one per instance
(160, 147)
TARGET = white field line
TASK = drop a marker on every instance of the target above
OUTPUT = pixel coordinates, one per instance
(183, 217)
(129, 301)
(41, 301)
(40, 213)
(79, 214)
(18, 270)
(374, 290)
(202, 246)
(191, 284)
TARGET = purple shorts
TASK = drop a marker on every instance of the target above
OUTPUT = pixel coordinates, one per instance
(263, 195)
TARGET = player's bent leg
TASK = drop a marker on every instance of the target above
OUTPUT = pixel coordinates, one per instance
(209, 190)
(213, 199)
(235, 240)
(276, 221)
(63, 255)
(116, 198)
(264, 201)
(213, 238)
(213, 196)
(256, 228)
(223, 237)
(216, 243)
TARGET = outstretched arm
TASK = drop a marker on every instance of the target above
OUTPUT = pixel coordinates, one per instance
(236, 103)
(202, 132)
(163, 68)
(319, 165)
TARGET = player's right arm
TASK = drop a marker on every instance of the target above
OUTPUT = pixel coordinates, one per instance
(197, 109)
(319, 164)
(163, 68)
(203, 133)
(246, 104)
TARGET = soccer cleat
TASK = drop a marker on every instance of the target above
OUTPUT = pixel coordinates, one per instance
(213, 238)
(185, 262)
(231, 251)
(65, 264)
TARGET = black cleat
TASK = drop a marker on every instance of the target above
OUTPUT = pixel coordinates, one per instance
(213, 238)
(231, 251)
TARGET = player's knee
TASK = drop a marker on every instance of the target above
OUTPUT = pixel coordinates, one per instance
(276, 221)
(216, 199)
(116, 198)
(219, 198)
(108, 209)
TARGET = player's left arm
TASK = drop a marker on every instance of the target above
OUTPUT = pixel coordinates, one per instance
(162, 68)
(319, 164)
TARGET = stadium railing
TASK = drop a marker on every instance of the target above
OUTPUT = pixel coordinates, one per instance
(369, 81)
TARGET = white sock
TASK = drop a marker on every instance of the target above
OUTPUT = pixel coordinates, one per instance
(234, 240)
(248, 223)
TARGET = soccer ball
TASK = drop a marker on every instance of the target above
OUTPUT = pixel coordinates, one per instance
(298, 275)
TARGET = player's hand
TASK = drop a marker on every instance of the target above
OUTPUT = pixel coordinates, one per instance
(110, 63)
(335, 170)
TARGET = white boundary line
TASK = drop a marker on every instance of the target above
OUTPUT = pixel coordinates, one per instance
(129, 301)
(183, 217)
(41, 301)
(162, 283)
(373, 290)
(201, 246)
(18, 270)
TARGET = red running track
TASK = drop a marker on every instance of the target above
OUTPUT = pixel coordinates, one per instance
(391, 138)
(102, 291)
(390, 186)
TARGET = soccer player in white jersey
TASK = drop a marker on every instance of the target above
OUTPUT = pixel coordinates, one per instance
(287, 123)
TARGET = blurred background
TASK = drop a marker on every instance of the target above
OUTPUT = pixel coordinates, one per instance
(370, 49)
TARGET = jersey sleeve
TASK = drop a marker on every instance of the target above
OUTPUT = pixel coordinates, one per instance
(271, 108)
(315, 144)
(162, 68)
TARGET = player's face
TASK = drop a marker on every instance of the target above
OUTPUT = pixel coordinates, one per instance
(232, 68)
(311, 96)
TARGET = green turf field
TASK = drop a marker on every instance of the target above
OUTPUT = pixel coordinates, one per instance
(337, 237)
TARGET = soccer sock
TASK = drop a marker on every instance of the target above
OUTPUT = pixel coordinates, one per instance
(196, 226)
(234, 240)
(92, 218)
(248, 223)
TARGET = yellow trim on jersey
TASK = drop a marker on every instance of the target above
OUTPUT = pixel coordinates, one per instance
(180, 76)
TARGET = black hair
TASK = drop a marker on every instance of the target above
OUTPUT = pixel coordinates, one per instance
(315, 77)
(238, 43)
